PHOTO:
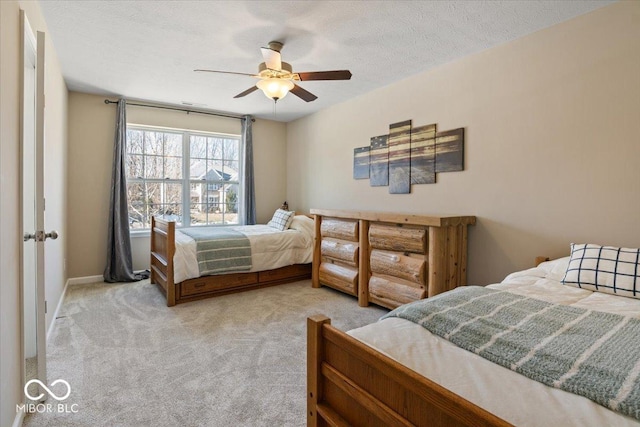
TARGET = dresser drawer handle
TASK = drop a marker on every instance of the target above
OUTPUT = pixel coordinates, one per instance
(199, 285)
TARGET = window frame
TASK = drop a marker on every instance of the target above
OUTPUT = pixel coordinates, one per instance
(186, 182)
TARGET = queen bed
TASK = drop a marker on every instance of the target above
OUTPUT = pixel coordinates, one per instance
(190, 264)
(397, 372)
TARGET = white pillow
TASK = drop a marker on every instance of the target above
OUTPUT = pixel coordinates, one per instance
(604, 269)
(303, 223)
(281, 219)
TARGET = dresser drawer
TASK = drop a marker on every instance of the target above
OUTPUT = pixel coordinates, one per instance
(341, 277)
(398, 238)
(344, 229)
(340, 250)
(397, 291)
(410, 267)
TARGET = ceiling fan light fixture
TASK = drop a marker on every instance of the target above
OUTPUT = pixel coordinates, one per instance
(275, 88)
(277, 77)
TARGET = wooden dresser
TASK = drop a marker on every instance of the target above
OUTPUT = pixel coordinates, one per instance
(389, 259)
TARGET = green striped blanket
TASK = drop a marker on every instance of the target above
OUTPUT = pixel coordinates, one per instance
(220, 250)
(589, 353)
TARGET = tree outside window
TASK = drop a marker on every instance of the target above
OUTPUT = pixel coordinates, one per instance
(187, 177)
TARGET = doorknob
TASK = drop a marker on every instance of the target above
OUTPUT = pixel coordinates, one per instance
(40, 236)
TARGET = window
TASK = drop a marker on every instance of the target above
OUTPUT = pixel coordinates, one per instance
(214, 174)
(192, 178)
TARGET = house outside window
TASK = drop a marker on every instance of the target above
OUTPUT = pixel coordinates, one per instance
(189, 177)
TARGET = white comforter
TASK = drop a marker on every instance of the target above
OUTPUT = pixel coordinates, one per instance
(509, 395)
(270, 248)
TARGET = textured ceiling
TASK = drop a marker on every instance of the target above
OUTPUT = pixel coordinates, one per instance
(148, 49)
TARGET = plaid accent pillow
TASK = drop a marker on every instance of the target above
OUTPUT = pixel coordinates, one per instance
(604, 269)
(281, 219)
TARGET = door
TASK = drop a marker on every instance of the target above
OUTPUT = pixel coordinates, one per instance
(32, 206)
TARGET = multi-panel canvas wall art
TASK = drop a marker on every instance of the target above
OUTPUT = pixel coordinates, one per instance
(409, 155)
(423, 154)
(379, 162)
(399, 157)
(361, 162)
(449, 154)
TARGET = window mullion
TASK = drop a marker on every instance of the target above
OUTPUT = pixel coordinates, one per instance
(222, 205)
(186, 179)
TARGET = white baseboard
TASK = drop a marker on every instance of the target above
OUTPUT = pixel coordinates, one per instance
(84, 280)
(55, 313)
(17, 422)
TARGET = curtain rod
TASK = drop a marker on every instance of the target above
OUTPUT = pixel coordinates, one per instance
(106, 101)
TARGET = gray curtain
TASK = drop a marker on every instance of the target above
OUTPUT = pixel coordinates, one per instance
(249, 210)
(119, 264)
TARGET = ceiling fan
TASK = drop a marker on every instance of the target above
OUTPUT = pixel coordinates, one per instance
(277, 77)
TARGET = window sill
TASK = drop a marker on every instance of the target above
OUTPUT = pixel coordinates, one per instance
(139, 233)
(147, 232)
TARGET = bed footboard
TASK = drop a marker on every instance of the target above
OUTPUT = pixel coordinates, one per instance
(350, 383)
(162, 250)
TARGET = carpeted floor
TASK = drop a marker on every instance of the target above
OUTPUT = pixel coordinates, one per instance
(235, 360)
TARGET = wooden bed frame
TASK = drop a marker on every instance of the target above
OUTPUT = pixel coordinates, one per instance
(352, 384)
(163, 248)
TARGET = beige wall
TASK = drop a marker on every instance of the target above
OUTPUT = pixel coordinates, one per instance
(91, 133)
(552, 123)
(91, 130)
(55, 193)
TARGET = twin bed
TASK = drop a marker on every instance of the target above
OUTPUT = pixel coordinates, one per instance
(396, 372)
(461, 370)
(268, 257)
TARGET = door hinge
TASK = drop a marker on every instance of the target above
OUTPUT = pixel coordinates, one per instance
(45, 307)
(44, 204)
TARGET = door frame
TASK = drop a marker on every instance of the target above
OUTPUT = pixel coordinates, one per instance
(35, 45)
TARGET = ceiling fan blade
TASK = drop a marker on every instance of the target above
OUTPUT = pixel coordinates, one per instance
(246, 92)
(272, 58)
(303, 94)
(227, 72)
(325, 75)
